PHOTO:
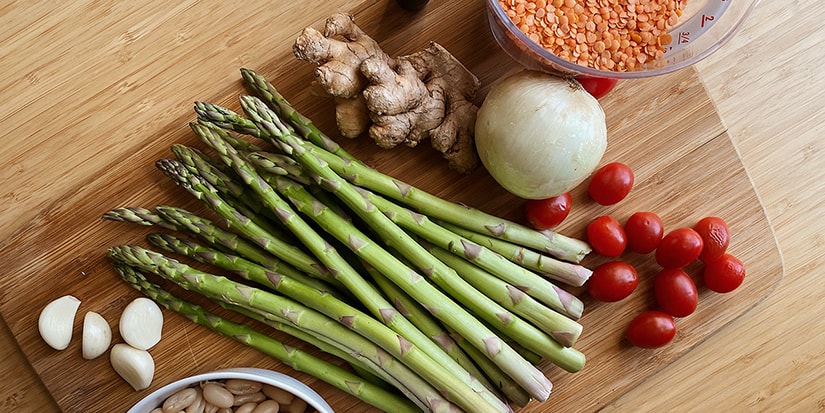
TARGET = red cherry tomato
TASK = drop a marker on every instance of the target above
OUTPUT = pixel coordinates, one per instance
(675, 292)
(547, 213)
(611, 183)
(606, 236)
(597, 86)
(725, 274)
(715, 237)
(651, 329)
(679, 248)
(644, 232)
(612, 281)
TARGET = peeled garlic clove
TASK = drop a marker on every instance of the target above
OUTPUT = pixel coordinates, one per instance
(56, 321)
(141, 323)
(97, 335)
(136, 366)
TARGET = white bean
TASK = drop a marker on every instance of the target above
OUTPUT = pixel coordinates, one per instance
(256, 397)
(199, 404)
(233, 396)
(298, 405)
(180, 400)
(268, 406)
(246, 407)
(278, 394)
(216, 394)
(210, 408)
(241, 386)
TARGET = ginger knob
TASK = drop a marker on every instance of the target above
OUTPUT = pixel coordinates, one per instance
(403, 100)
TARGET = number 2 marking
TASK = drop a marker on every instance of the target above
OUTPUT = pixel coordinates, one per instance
(706, 18)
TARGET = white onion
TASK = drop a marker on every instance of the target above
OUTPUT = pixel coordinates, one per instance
(540, 135)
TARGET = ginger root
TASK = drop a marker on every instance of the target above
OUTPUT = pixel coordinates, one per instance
(403, 100)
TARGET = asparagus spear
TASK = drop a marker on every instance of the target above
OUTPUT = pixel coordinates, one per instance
(429, 325)
(538, 287)
(293, 357)
(358, 173)
(569, 273)
(182, 220)
(138, 215)
(422, 319)
(235, 141)
(281, 106)
(278, 164)
(563, 330)
(287, 285)
(196, 159)
(549, 267)
(544, 265)
(213, 234)
(217, 287)
(480, 304)
(265, 276)
(224, 118)
(361, 366)
(367, 359)
(346, 165)
(452, 314)
(281, 283)
(365, 292)
(202, 164)
(236, 221)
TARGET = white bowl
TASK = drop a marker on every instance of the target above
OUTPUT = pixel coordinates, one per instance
(157, 397)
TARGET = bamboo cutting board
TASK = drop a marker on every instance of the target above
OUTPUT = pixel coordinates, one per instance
(665, 128)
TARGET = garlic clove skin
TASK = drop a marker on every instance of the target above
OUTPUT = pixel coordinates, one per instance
(134, 365)
(56, 321)
(141, 323)
(97, 336)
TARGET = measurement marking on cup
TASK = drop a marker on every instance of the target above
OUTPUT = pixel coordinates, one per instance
(706, 18)
(691, 29)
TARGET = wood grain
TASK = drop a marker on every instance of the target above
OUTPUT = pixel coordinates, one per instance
(118, 116)
(769, 88)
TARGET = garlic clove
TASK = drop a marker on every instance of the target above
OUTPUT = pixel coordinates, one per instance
(97, 335)
(56, 321)
(141, 323)
(134, 365)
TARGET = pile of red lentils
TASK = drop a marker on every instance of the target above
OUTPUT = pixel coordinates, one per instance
(615, 35)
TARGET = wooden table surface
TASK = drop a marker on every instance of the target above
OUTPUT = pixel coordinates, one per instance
(768, 93)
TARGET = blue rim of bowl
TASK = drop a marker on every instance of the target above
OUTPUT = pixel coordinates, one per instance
(639, 74)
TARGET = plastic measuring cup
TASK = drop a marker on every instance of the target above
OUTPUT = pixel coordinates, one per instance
(705, 26)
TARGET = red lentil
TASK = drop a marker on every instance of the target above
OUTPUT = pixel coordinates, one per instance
(617, 35)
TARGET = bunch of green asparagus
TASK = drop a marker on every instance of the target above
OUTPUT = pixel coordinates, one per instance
(434, 306)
